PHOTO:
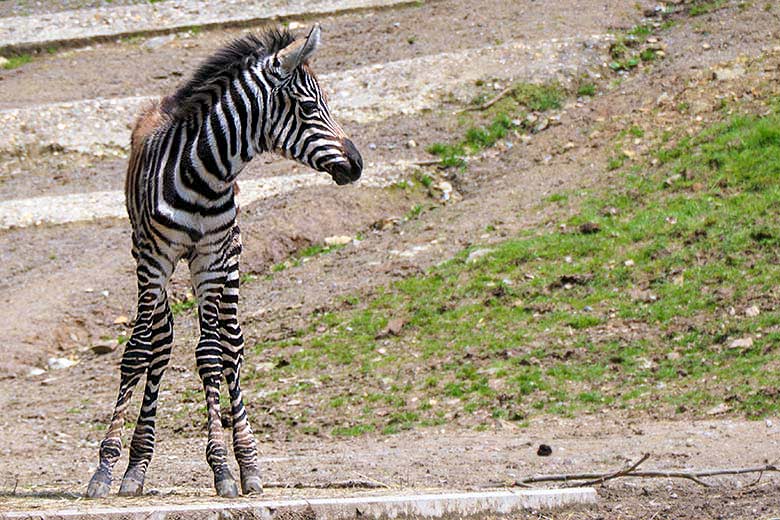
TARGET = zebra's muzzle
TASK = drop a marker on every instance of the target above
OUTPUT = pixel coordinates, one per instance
(350, 171)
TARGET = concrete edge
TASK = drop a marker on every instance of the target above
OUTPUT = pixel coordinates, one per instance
(10, 49)
(433, 505)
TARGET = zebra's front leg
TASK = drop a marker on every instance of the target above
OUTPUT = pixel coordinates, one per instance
(208, 280)
(142, 445)
(244, 444)
(135, 362)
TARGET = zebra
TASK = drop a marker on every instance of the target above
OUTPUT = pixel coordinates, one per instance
(256, 94)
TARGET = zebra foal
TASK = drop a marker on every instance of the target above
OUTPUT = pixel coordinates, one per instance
(257, 94)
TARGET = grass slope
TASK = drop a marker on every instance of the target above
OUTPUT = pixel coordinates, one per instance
(634, 303)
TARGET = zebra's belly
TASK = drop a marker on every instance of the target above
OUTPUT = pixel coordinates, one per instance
(200, 230)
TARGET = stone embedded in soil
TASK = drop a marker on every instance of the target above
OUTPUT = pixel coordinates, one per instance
(158, 41)
(752, 311)
(589, 228)
(394, 327)
(719, 409)
(477, 254)
(60, 363)
(726, 74)
(544, 450)
(104, 347)
(338, 240)
(742, 343)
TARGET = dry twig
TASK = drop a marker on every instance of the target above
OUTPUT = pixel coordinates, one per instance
(427, 162)
(599, 478)
(616, 474)
(342, 484)
(489, 103)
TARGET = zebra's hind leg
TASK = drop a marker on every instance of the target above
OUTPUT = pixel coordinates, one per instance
(152, 278)
(142, 445)
(208, 278)
(244, 444)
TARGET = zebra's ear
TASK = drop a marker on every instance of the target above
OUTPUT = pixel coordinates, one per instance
(299, 51)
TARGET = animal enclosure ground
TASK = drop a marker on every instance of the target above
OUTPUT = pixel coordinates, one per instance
(603, 278)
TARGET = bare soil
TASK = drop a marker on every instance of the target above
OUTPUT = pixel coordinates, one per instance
(77, 279)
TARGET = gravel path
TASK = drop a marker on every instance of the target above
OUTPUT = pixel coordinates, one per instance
(42, 30)
(362, 95)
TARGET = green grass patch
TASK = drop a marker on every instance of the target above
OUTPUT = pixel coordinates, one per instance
(586, 89)
(503, 117)
(182, 306)
(17, 61)
(705, 7)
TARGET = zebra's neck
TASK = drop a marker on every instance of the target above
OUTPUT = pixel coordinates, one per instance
(230, 130)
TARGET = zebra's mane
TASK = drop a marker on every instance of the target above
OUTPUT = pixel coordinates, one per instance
(224, 65)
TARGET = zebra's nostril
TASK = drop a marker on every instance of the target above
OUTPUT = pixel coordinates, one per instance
(355, 159)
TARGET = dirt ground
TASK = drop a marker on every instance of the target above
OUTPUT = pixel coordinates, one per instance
(78, 278)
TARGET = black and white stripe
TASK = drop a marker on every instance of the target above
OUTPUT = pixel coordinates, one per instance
(256, 95)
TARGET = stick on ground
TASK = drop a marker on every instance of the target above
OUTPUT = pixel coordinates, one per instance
(592, 479)
(490, 102)
(343, 484)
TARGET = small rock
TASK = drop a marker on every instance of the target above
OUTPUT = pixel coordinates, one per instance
(542, 125)
(673, 356)
(642, 295)
(742, 343)
(477, 254)
(158, 41)
(386, 223)
(446, 190)
(544, 450)
(663, 98)
(706, 46)
(752, 311)
(121, 320)
(338, 240)
(60, 363)
(3, 61)
(629, 263)
(672, 179)
(411, 143)
(265, 366)
(104, 347)
(394, 328)
(726, 74)
(589, 228)
(719, 409)
(35, 371)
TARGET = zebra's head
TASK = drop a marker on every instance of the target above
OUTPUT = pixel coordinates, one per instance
(305, 129)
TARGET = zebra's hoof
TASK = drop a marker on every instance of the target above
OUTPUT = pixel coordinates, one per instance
(131, 488)
(251, 485)
(227, 488)
(99, 486)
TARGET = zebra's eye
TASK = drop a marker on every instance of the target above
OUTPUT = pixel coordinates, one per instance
(308, 107)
